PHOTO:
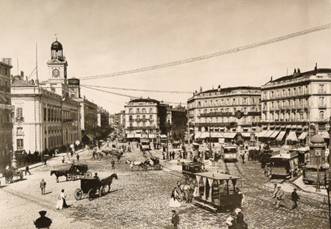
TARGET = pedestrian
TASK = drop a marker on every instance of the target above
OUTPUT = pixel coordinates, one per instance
(77, 157)
(63, 159)
(61, 201)
(241, 224)
(27, 170)
(231, 221)
(175, 219)
(295, 198)
(42, 186)
(112, 164)
(42, 222)
(279, 196)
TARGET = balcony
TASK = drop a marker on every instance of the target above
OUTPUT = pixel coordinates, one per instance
(321, 106)
(19, 119)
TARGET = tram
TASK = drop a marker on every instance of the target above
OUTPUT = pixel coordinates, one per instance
(230, 153)
(282, 165)
(145, 144)
(218, 192)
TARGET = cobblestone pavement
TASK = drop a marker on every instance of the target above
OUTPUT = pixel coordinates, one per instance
(139, 199)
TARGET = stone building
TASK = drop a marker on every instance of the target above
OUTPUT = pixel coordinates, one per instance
(221, 113)
(45, 116)
(6, 110)
(293, 103)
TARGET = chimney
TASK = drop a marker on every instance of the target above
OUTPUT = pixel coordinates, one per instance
(299, 70)
(22, 75)
(315, 67)
(295, 71)
(271, 78)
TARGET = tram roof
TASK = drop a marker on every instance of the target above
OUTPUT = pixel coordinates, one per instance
(217, 176)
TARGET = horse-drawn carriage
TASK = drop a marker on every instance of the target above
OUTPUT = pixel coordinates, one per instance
(71, 171)
(152, 163)
(9, 174)
(93, 187)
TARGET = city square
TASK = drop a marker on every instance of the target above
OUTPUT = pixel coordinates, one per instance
(165, 114)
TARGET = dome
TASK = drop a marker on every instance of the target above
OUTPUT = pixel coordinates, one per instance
(56, 46)
(317, 139)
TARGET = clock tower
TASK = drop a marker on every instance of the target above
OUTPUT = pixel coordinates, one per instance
(57, 64)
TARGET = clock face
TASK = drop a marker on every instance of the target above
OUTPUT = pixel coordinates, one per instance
(56, 73)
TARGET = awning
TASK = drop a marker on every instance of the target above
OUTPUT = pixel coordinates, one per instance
(151, 135)
(130, 135)
(288, 127)
(246, 135)
(280, 136)
(269, 133)
(229, 135)
(216, 135)
(292, 137)
(274, 134)
(303, 135)
(324, 134)
(163, 136)
(260, 134)
(137, 135)
(204, 135)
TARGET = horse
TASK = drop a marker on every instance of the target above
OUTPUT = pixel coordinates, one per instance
(140, 164)
(108, 181)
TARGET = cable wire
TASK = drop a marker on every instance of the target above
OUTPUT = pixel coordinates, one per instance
(211, 55)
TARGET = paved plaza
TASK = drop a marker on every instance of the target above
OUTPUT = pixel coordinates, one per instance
(139, 199)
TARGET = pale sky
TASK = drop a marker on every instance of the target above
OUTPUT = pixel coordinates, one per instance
(103, 36)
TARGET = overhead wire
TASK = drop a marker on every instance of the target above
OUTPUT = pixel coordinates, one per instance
(140, 90)
(211, 55)
(124, 95)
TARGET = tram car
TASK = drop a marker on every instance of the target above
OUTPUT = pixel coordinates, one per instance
(218, 192)
(310, 174)
(230, 153)
(282, 165)
(303, 155)
(145, 144)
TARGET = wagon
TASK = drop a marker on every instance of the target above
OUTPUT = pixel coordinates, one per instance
(93, 187)
(71, 171)
(189, 169)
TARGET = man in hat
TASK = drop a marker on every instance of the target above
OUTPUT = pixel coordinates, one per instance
(175, 219)
(42, 222)
(279, 196)
(295, 198)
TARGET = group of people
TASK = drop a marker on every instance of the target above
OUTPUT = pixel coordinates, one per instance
(279, 197)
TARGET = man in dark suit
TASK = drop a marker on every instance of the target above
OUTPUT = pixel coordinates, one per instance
(175, 219)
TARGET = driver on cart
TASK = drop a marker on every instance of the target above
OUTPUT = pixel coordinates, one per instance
(96, 176)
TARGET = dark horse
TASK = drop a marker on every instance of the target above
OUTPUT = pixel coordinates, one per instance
(108, 181)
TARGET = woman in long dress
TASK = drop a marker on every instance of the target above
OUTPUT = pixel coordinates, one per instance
(61, 200)
(174, 203)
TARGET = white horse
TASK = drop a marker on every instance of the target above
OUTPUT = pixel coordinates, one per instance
(136, 164)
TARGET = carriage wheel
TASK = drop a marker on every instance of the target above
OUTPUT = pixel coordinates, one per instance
(78, 194)
(91, 194)
(100, 191)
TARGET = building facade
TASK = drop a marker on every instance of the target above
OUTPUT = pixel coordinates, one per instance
(103, 118)
(223, 112)
(45, 116)
(293, 103)
(142, 118)
(5, 113)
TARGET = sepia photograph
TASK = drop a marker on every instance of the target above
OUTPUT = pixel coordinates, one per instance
(165, 114)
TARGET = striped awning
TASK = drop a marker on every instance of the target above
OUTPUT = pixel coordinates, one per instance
(246, 135)
(274, 134)
(303, 135)
(292, 137)
(280, 136)
(229, 135)
(324, 134)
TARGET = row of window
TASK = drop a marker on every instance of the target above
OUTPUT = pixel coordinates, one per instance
(5, 71)
(228, 101)
(244, 119)
(228, 109)
(142, 110)
(286, 92)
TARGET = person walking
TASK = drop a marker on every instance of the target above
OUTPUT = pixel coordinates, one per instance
(112, 164)
(175, 219)
(61, 201)
(63, 159)
(295, 198)
(279, 196)
(27, 170)
(42, 186)
(77, 157)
